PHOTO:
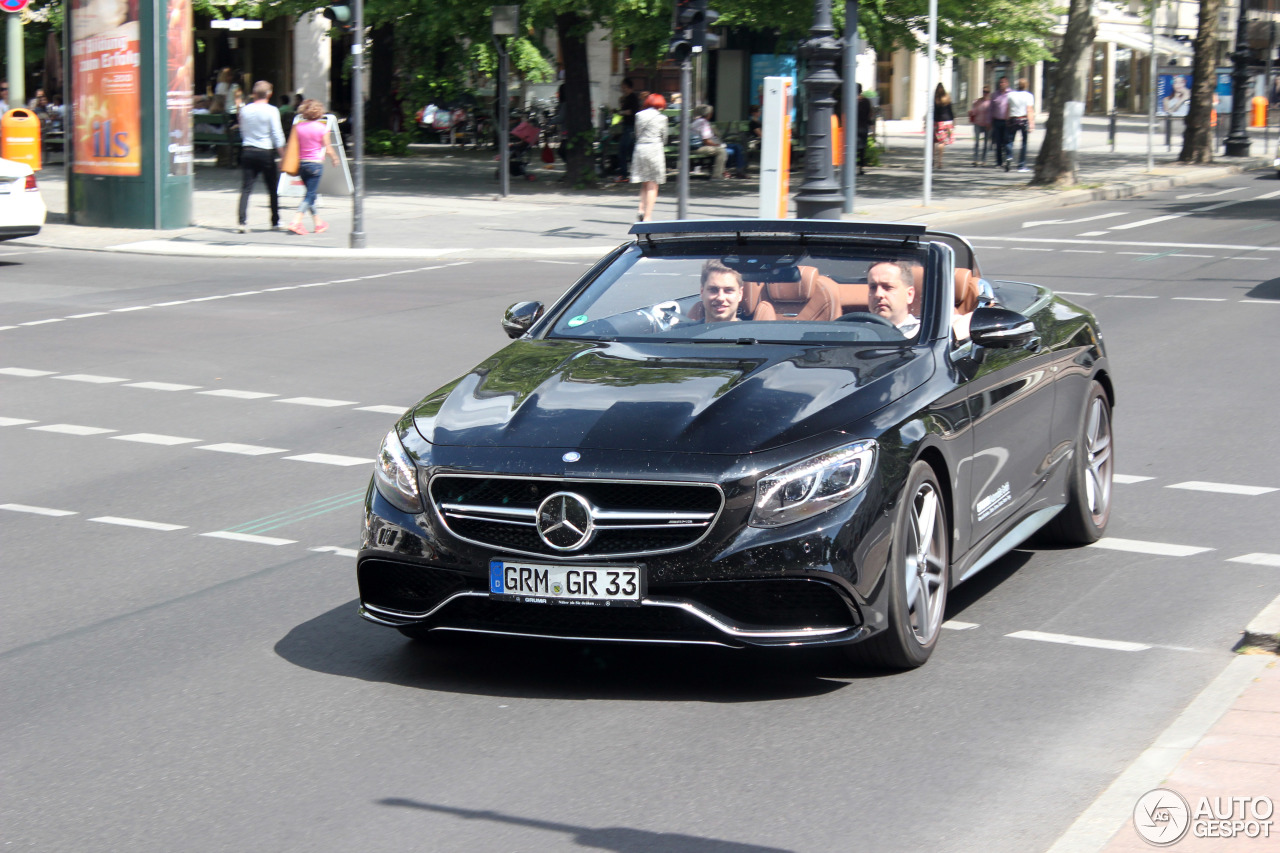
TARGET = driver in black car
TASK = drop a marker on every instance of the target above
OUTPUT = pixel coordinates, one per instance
(892, 289)
(721, 292)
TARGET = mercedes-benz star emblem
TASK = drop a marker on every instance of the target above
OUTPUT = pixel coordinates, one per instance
(564, 521)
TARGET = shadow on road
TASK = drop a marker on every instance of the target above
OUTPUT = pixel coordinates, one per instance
(620, 839)
(339, 643)
(1265, 290)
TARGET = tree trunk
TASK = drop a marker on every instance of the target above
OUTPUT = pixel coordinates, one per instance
(1056, 166)
(576, 109)
(1197, 139)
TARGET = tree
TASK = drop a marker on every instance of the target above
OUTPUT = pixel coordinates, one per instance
(1054, 165)
(1197, 139)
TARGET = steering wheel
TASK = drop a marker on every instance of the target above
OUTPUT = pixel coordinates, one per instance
(865, 317)
(663, 316)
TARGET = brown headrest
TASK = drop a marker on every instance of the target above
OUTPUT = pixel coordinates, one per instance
(791, 291)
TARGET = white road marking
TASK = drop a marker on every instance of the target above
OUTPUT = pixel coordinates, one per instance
(330, 459)
(1129, 296)
(1221, 488)
(1126, 479)
(249, 537)
(1091, 234)
(1197, 299)
(1144, 254)
(162, 386)
(1159, 549)
(1070, 241)
(1083, 252)
(133, 308)
(41, 322)
(1185, 255)
(1027, 249)
(86, 316)
(153, 438)
(242, 449)
(245, 293)
(347, 552)
(36, 510)
(575, 263)
(25, 371)
(1074, 293)
(15, 421)
(71, 429)
(1067, 639)
(959, 626)
(239, 395)
(137, 522)
(1248, 259)
(5, 328)
(1265, 196)
(168, 304)
(383, 410)
(1211, 195)
(91, 378)
(317, 401)
(277, 289)
(209, 298)
(1258, 559)
(1154, 220)
(1259, 302)
(1072, 221)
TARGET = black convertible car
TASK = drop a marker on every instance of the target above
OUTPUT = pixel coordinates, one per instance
(745, 433)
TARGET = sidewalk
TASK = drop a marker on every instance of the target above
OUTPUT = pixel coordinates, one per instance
(443, 202)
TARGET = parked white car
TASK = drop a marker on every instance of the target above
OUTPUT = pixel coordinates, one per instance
(22, 209)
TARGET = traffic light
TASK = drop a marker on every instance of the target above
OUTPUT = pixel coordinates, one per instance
(691, 36)
(341, 15)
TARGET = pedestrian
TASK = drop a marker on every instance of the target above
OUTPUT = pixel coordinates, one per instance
(261, 139)
(944, 124)
(866, 125)
(980, 118)
(312, 129)
(4, 97)
(708, 142)
(649, 163)
(1022, 119)
(1000, 123)
(627, 108)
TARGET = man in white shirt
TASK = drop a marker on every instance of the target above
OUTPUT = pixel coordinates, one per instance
(1022, 119)
(892, 289)
(261, 139)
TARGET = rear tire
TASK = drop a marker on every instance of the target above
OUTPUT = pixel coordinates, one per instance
(1084, 519)
(918, 576)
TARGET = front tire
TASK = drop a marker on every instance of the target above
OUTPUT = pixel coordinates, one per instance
(918, 576)
(1084, 519)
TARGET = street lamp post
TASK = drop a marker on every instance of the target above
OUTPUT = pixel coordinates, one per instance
(820, 196)
(505, 22)
(1238, 138)
(357, 125)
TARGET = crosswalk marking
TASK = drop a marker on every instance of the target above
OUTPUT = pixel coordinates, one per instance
(242, 449)
(153, 438)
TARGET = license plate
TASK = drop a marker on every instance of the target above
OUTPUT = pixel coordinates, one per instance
(539, 583)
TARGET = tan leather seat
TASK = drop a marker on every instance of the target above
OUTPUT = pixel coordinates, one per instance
(966, 291)
(854, 297)
(813, 297)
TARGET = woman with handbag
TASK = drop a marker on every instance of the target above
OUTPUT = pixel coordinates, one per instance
(311, 130)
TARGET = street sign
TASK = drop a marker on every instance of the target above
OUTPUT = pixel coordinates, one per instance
(233, 24)
(13, 5)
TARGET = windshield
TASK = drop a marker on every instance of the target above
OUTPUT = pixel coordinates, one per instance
(820, 295)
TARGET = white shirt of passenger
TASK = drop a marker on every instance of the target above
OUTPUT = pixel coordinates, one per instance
(909, 326)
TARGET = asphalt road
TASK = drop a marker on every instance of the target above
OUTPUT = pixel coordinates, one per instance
(165, 689)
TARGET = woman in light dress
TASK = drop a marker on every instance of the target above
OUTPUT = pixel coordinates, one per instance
(649, 161)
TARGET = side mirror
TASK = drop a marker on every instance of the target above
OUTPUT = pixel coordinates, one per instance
(1000, 328)
(519, 318)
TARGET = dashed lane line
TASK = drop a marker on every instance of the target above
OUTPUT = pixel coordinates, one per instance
(1159, 549)
(383, 410)
(1089, 642)
(139, 523)
(71, 429)
(92, 379)
(154, 438)
(1258, 559)
(242, 449)
(331, 459)
(1126, 479)
(317, 401)
(239, 395)
(249, 537)
(955, 625)
(242, 293)
(15, 421)
(1221, 488)
(37, 510)
(334, 549)
(162, 386)
(25, 371)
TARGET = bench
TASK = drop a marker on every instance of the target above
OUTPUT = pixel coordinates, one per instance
(219, 132)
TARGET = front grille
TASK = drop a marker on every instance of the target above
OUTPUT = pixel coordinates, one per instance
(406, 588)
(632, 623)
(630, 518)
(775, 603)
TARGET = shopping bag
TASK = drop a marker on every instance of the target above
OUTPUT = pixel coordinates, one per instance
(291, 186)
(289, 165)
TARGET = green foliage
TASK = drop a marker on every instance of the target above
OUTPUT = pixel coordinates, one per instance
(384, 143)
(872, 157)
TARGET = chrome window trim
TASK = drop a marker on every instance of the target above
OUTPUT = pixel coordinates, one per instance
(440, 515)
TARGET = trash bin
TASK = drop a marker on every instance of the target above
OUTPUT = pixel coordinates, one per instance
(20, 137)
(1259, 112)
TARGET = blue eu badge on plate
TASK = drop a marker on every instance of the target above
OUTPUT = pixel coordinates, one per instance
(495, 577)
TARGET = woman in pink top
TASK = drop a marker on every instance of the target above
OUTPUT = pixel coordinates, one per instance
(312, 130)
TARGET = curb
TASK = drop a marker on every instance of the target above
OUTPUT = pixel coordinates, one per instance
(1263, 631)
(206, 250)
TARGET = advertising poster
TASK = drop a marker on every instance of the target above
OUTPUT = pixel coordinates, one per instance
(770, 65)
(181, 87)
(1173, 94)
(1222, 92)
(106, 67)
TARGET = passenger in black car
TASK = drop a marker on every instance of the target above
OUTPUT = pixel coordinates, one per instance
(892, 289)
(721, 292)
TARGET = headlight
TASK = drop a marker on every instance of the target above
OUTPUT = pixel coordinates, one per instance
(396, 476)
(813, 486)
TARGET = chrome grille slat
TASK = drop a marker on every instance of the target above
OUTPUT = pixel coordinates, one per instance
(630, 517)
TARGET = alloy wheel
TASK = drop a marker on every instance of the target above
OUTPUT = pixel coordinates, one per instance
(925, 564)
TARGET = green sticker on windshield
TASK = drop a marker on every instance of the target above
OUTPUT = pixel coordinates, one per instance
(578, 321)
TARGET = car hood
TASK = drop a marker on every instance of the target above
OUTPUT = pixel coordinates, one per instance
(622, 396)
